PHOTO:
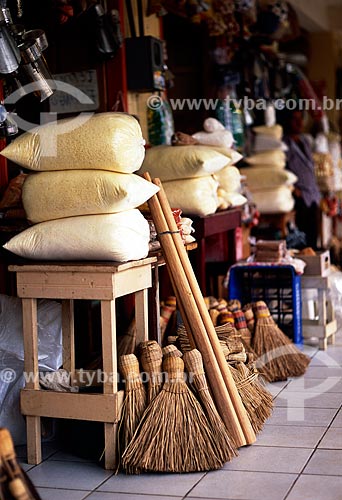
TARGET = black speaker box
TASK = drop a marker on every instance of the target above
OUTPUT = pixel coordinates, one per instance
(144, 63)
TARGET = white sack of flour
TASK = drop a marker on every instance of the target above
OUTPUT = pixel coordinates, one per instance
(106, 141)
(117, 237)
(55, 195)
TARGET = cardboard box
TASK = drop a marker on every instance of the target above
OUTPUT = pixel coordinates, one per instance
(317, 265)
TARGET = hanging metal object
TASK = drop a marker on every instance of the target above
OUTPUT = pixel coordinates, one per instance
(9, 52)
(34, 69)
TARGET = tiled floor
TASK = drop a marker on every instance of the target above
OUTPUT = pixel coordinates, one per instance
(298, 456)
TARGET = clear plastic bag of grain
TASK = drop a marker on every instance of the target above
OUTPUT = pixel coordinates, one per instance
(105, 141)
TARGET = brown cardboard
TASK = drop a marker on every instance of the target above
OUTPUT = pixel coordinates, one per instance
(317, 265)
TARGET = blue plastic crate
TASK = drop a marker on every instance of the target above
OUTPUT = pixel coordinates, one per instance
(279, 286)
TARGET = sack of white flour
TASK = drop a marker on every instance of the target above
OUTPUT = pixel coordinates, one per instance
(106, 141)
(68, 193)
(196, 196)
(182, 162)
(117, 237)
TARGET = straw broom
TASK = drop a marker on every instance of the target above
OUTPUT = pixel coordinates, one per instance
(134, 403)
(229, 330)
(196, 318)
(241, 326)
(174, 434)
(14, 483)
(171, 350)
(151, 359)
(249, 315)
(126, 342)
(275, 349)
(257, 399)
(194, 365)
(239, 423)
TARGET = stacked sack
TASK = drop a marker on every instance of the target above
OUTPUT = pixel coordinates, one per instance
(270, 184)
(199, 178)
(83, 196)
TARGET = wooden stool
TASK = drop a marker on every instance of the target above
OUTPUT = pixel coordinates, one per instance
(325, 326)
(89, 281)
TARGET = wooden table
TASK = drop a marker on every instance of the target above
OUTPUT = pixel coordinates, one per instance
(324, 326)
(216, 239)
(103, 281)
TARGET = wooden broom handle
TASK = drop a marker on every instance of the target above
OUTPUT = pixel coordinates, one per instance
(185, 297)
(209, 327)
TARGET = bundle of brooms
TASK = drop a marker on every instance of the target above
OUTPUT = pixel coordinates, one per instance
(14, 483)
(274, 349)
(257, 400)
(198, 324)
(174, 434)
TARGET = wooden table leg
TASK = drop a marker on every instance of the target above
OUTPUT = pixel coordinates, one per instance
(141, 315)
(30, 333)
(68, 338)
(110, 376)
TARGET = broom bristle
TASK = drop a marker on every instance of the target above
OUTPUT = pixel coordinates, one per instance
(174, 434)
(275, 349)
(126, 342)
(251, 397)
(263, 410)
(134, 403)
(194, 365)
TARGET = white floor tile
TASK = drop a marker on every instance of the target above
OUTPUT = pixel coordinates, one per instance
(332, 439)
(57, 494)
(315, 384)
(68, 475)
(290, 436)
(244, 485)
(152, 484)
(309, 399)
(338, 420)
(270, 459)
(309, 487)
(325, 462)
(307, 417)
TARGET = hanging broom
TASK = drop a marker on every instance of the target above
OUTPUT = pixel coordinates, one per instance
(174, 434)
(134, 403)
(14, 483)
(274, 348)
(194, 365)
(151, 359)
